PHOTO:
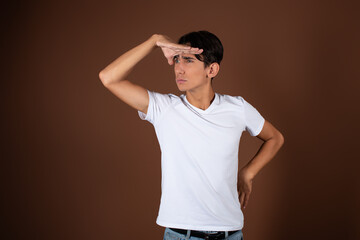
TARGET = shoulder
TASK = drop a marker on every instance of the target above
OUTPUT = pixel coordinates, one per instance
(229, 99)
(164, 98)
(162, 95)
(236, 102)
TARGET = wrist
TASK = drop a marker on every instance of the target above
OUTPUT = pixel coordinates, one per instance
(155, 38)
(247, 173)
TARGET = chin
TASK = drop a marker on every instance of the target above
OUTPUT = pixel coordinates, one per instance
(182, 89)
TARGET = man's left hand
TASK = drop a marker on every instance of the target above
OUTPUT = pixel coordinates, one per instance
(244, 186)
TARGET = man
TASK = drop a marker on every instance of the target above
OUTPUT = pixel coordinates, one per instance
(199, 134)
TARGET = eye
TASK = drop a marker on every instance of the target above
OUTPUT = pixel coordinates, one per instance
(189, 60)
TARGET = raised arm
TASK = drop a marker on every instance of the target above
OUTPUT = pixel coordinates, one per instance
(114, 76)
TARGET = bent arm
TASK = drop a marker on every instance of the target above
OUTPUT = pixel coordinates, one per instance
(120, 68)
(273, 141)
(113, 76)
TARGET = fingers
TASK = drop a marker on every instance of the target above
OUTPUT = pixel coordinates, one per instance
(188, 51)
(173, 45)
(194, 51)
(186, 48)
(244, 199)
(170, 61)
(242, 196)
(170, 50)
(180, 48)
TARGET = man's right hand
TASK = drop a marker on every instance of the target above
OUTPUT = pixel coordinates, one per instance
(171, 49)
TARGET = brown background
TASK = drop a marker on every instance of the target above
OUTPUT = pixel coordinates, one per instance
(77, 163)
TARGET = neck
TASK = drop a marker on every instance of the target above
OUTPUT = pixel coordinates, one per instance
(201, 98)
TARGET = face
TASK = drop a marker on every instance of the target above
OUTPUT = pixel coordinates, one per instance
(192, 71)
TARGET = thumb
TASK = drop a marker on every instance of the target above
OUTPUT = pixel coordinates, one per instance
(170, 61)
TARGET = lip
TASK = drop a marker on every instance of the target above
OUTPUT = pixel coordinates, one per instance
(180, 80)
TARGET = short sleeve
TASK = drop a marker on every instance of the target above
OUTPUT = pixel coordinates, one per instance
(254, 121)
(158, 103)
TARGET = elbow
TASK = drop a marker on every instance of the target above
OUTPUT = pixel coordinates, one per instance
(104, 79)
(280, 139)
(277, 138)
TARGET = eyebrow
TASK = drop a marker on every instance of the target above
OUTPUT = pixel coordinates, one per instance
(183, 57)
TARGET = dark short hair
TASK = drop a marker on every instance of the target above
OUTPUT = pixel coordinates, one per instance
(212, 48)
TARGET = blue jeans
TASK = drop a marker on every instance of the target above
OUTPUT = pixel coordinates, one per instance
(172, 235)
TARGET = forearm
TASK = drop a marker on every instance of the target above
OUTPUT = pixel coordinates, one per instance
(120, 68)
(266, 152)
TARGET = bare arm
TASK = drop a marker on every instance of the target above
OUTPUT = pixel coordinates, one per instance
(114, 76)
(273, 141)
(119, 69)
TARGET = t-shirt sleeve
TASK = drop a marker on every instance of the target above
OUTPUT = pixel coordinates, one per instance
(254, 121)
(158, 103)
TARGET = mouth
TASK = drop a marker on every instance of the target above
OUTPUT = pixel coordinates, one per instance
(180, 80)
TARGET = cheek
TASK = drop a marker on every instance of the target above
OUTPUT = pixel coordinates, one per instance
(200, 73)
(198, 70)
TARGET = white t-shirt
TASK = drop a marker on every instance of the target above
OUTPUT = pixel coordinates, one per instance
(199, 159)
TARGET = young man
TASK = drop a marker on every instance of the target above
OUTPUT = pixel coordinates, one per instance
(199, 134)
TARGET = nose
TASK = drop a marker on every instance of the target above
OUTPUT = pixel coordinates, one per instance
(179, 68)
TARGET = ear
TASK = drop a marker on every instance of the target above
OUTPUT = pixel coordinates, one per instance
(212, 70)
